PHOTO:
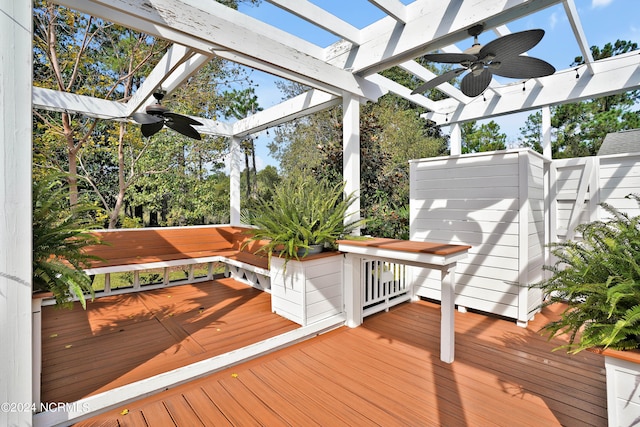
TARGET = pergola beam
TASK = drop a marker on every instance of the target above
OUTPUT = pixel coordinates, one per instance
(177, 65)
(235, 32)
(299, 106)
(424, 74)
(559, 88)
(203, 46)
(581, 38)
(402, 91)
(53, 100)
(320, 17)
(386, 43)
(393, 8)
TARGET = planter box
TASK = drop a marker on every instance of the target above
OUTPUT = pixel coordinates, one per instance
(623, 386)
(308, 290)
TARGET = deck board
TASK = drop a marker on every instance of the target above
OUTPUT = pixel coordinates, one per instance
(125, 338)
(388, 372)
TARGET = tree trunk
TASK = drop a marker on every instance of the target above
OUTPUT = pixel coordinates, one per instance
(153, 219)
(122, 184)
(248, 169)
(255, 171)
(138, 212)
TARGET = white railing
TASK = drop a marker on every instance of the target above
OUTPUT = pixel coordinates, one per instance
(135, 278)
(385, 284)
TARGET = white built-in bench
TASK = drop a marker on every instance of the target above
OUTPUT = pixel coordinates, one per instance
(140, 249)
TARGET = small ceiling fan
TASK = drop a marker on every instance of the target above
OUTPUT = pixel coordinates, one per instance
(157, 116)
(501, 57)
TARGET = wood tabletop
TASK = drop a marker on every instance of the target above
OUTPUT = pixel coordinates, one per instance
(407, 245)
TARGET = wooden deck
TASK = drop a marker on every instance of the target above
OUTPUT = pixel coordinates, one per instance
(387, 372)
(125, 338)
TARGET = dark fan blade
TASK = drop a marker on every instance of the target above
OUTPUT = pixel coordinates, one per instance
(146, 119)
(523, 67)
(450, 58)
(181, 118)
(511, 44)
(149, 129)
(438, 80)
(177, 123)
(473, 85)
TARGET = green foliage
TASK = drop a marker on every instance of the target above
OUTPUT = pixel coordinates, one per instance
(390, 135)
(578, 129)
(303, 211)
(485, 138)
(599, 279)
(59, 234)
(388, 220)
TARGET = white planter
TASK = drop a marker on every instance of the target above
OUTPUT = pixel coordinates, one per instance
(623, 387)
(308, 290)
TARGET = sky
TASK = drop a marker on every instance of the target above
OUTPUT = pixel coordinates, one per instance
(603, 21)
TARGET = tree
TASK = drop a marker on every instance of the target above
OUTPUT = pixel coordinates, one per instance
(485, 138)
(578, 129)
(390, 135)
(78, 53)
(532, 132)
(239, 105)
(81, 54)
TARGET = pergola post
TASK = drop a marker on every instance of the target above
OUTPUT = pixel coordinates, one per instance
(455, 140)
(546, 132)
(351, 153)
(15, 211)
(234, 181)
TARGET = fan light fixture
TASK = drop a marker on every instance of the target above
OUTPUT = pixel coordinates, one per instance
(157, 116)
(501, 57)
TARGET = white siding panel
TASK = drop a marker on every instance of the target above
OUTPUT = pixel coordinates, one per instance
(476, 200)
(484, 192)
(617, 176)
(468, 205)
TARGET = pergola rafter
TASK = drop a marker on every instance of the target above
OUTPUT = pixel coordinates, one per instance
(350, 65)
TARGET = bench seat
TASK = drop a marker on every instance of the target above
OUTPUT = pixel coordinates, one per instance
(150, 248)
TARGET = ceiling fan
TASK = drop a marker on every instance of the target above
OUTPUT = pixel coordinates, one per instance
(157, 116)
(501, 57)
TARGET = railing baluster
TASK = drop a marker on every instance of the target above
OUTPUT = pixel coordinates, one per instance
(384, 283)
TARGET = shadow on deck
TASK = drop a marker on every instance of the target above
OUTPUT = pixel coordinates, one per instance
(387, 372)
(126, 338)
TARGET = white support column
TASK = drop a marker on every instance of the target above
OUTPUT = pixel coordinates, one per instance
(234, 181)
(455, 139)
(353, 289)
(351, 152)
(15, 210)
(546, 132)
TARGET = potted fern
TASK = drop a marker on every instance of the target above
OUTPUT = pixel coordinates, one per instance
(598, 278)
(304, 212)
(303, 216)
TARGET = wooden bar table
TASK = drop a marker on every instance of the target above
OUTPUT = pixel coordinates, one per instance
(443, 257)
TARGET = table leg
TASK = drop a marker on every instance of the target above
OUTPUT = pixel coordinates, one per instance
(447, 310)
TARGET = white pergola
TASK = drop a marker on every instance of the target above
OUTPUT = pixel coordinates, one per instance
(346, 72)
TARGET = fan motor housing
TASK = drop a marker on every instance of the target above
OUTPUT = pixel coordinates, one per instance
(156, 109)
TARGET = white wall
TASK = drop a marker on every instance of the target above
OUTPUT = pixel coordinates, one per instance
(581, 184)
(495, 203)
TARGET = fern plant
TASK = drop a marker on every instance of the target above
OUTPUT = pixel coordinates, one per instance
(59, 234)
(302, 212)
(599, 280)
